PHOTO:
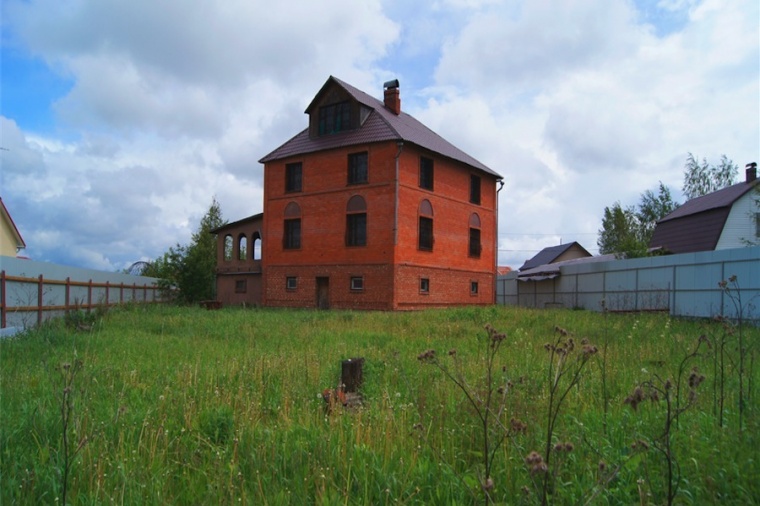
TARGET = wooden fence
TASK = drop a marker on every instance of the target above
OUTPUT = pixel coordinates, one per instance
(89, 295)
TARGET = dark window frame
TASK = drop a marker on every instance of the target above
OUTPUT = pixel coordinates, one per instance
(334, 118)
(356, 230)
(291, 238)
(358, 173)
(474, 288)
(291, 283)
(475, 186)
(241, 286)
(475, 246)
(425, 240)
(427, 173)
(425, 285)
(293, 177)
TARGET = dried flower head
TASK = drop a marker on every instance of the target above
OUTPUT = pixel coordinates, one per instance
(426, 356)
(602, 466)
(534, 458)
(561, 331)
(539, 468)
(452, 352)
(635, 398)
(517, 425)
(487, 485)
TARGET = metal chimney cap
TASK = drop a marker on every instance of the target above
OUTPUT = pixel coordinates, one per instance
(391, 84)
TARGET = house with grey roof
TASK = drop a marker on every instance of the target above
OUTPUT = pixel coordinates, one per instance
(368, 208)
(724, 219)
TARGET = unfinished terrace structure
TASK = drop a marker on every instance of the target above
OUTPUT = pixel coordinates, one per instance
(367, 208)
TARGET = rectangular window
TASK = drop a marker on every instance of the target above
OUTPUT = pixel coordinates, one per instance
(292, 237)
(357, 283)
(475, 242)
(426, 234)
(334, 118)
(475, 189)
(426, 173)
(291, 283)
(357, 168)
(473, 287)
(241, 286)
(356, 229)
(424, 285)
(293, 177)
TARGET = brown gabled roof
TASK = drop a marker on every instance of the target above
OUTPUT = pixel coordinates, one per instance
(550, 254)
(698, 223)
(237, 223)
(381, 125)
(20, 244)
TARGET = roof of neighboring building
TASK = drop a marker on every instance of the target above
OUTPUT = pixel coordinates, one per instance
(5, 215)
(698, 223)
(550, 254)
(549, 271)
(381, 125)
(237, 223)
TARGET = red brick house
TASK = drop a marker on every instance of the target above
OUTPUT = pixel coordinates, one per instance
(367, 208)
(238, 261)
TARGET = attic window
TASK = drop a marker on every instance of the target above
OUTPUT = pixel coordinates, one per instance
(334, 118)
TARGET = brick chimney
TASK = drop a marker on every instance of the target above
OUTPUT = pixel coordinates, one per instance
(392, 96)
(751, 172)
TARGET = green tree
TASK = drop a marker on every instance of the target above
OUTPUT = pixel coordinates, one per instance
(188, 272)
(627, 232)
(701, 179)
(620, 233)
(653, 208)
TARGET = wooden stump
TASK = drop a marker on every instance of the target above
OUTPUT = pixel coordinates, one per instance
(351, 376)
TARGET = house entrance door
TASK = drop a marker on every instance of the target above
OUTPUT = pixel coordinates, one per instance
(323, 293)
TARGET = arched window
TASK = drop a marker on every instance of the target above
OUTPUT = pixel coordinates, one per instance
(291, 238)
(242, 247)
(475, 246)
(425, 212)
(228, 246)
(356, 221)
(256, 246)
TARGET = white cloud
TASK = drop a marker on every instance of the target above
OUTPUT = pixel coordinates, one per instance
(578, 104)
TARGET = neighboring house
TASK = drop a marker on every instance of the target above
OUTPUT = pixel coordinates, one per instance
(11, 241)
(238, 261)
(727, 218)
(554, 254)
(367, 208)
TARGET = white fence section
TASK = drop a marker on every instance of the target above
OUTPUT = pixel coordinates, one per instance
(31, 292)
(684, 285)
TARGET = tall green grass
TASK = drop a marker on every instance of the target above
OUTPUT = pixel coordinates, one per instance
(187, 406)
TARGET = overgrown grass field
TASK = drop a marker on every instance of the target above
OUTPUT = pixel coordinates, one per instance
(178, 405)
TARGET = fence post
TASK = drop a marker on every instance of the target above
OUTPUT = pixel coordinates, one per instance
(89, 296)
(2, 299)
(40, 289)
(108, 283)
(68, 293)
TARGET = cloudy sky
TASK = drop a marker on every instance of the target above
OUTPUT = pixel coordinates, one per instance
(121, 119)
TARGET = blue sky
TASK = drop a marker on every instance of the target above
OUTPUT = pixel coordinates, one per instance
(120, 121)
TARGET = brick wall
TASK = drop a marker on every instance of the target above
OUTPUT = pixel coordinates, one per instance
(377, 292)
(323, 253)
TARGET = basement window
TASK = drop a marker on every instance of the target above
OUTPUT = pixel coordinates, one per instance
(241, 286)
(424, 285)
(291, 283)
(357, 283)
(473, 287)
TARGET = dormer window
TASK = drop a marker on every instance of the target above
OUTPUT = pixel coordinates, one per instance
(334, 118)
